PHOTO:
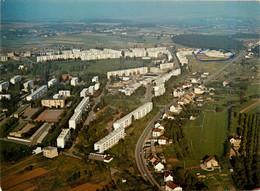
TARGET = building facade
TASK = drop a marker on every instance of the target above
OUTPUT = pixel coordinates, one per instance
(57, 103)
(63, 138)
(37, 93)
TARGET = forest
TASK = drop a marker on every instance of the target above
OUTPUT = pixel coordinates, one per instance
(208, 41)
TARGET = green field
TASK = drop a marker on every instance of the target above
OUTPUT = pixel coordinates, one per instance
(208, 133)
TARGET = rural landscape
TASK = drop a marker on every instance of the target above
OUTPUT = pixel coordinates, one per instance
(129, 95)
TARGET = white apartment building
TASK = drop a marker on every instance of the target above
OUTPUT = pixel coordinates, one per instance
(74, 120)
(83, 105)
(37, 93)
(64, 93)
(91, 90)
(136, 52)
(4, 86)
(137, 114)
(95, 79)
(27, 84)
(110, 140)
(96, 86)
(159, 90)
(128, 72)
(7, 96)
(84, 92)
(166, 66)
(63, 138)
(74, 81)
(3, 58)
(52, 82)
(16, 79)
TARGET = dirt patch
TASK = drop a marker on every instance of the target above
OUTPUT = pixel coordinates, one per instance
(252, 106)
(16, 179)
(174, 160)
(49, 115)
(87, 186)
(21, 186)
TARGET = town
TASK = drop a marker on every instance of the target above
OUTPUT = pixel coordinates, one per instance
(129, 106)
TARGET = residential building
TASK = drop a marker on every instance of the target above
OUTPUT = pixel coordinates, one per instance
(74, 81)
(110, 140)
(3, 58)
(225, 83)
(152, 158)
(6, 96)
(162, 140)
(159, 90)
(176, 108)
(16, 79)
(108, 159)
(166, 66)
(167, 177)
(57, 103)
(37, 93)
(96, 86)
(95, 79)
(136, 114)
(83, 105)
(63, 138)
(157, 132)
(158, 166)
(128, 72)
(84, 92)
(91, 90)
(198, 91)
(57, 96)
(64, 93)
(74, 120)
(27, 84)
(170, 186)
(52, 82)
(211, 162)
(50, 152)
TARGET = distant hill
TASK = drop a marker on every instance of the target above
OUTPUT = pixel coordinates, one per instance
(208, 41)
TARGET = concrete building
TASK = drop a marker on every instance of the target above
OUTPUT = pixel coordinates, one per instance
(52, 82)
(74, 120)
(166, 66)
(16, 79)
(83, 105)
(50, 152)
(162, 140)
(96, 86)
(84, 92)
(110, 140)
(91, 90)
(57, 103)
(136, 114)
(128, 72)
(159, 90)
(3, 58)
(198, 91)
(74, 81)
(6, 96)
(37, 93)
(136, 52)
(64, 93)
(27, 84)
(27, 54)
(211, 162)
(95, 79)
(63, 138)
(4, 86)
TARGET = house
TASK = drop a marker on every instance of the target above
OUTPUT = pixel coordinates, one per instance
(166, 115)
(158, 166)
(235, 141)
(176, 108)
(170, 186)
(108, 159)
(50, 152)
(192, 118)
(210, 162)
(157, 132)
(167, 177)
(198, 91)
(162, 140)
(225, 83)
(152, 158)
(195, 81)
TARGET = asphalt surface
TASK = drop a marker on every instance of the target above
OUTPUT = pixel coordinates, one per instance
(139, 154)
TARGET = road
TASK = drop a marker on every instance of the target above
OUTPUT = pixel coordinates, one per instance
(139, 155)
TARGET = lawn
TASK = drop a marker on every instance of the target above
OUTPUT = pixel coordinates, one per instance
(208, 133)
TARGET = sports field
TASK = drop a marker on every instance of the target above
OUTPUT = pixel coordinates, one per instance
(49, 115)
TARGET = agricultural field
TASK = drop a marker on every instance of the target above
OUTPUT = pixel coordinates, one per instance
(52, 174)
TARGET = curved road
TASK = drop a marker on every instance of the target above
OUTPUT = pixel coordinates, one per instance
(139, 154)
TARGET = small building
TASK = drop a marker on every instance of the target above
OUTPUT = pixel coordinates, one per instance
(4, 86)
(157, 132)
(63, 138)
(37, 151)
(162, 140)
(64, 93)
(167, 177)
(171, 186)
(235, 141)
(176, 108)
(152, 158)
(50, 152)
(95, 79)
(225, 83)
(21, 110)
(96, 86)
(211, 162)
(108, 159)
(16, 79)
(74, 81)
(158, 166)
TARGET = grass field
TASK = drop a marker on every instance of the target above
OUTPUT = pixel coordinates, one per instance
(210, 67)
(208, 133)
